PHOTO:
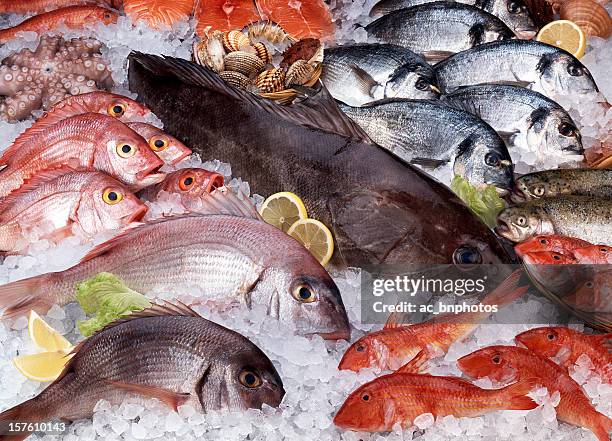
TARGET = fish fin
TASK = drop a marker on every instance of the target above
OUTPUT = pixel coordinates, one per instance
(433, 57)
(602, 426)
(507, 291)
(515, 82)
(428, 162)
(319, 112)
(466, 106)
(18, 298)
(104, 247)
(225, 201)
(365, 82)
(418, 365)
(514, 396)
(395, 320)
(170, 398)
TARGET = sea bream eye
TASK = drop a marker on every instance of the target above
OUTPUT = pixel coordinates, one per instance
(186, 182)
(574, 70)
(304, 294)
(112, 197)
(567, 130)
(250, 379)
(421, 84)
(125, 150)
(158, 144)
(492, 159)
(116, 110)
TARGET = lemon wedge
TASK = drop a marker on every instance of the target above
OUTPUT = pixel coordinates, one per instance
(316, 237)
(44, 336)
(283, 209)
(46, 366)
(564, 34)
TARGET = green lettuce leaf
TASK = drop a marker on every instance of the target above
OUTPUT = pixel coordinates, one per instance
(485, 203)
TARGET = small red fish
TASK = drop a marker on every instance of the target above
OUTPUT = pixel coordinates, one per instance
(168, 148)
(73, 17)
(509, 363)
(594, 254)
(548, 258)
(567, 345)
(192, 181)
(593, 295)
(553, 242)
(159, 13)
(392, 347)
(401, 397)
(40, 6)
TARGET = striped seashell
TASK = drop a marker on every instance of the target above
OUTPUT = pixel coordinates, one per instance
(245, 63)
(210, 53)
(299, 73)
(592, 18)
(271, 80)
(235, 40)
(263, 52)
(235, 79)
(267, 30)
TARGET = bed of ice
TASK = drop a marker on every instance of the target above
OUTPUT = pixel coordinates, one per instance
(308, 366)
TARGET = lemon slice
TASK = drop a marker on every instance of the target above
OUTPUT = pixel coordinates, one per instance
(45, 366)
(283, 209)
(564, 34)
(316, 237)
(45, 336)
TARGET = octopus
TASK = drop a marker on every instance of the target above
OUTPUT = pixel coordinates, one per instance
(56, 69)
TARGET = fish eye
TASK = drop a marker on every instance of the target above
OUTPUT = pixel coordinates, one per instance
(421, 84)
(360, 347)
(365, 397)
(522, 221)
(515, 7)
(551, 336)
(107, 15)
(604, 250)
(556, 257)
(575, 70)
(492, 159)
(467, 256)
(496, 359)
(186, 182)
(589, 284)
(567, 130)
(158, 144)
(125, 150)
(538, 191)
(116, 110)
(249, 379)
(543, 241)
(112, 197)
(303, 293)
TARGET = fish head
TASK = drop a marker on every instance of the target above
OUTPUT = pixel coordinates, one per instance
(364, 353)
(519, 223)
(103, 15)
(515, 14)
(546, 341)
(488, 31)
(193, 181)
(247, 379)
(543, 242)
(366, 409)
(412, 80)
(484, 160)
(547, 258)
(593, 254)
(494, 362)
(122, 108)
(168, 148)
(554, 129)
(562, 73)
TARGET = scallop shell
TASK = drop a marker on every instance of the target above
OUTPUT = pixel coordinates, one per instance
(592, 18)
(244, 63)
(269, 31)
(235, 40)
(299, 73)
(210, 52)
(235, 79)
(271, 80)
(263, 52)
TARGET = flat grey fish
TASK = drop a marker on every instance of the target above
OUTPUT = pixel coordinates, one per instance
(379, 208)
(512, 12)
(584, 217)
(430, 134)
(231, 257)
(580, 181)
(361, 73)
(543, 67)
(439, 29)
(511, 110)
(166, 352)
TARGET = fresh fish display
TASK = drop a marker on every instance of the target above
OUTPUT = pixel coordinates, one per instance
(230, 258)
(379, 209)
(527, 119)
(583, 217)
(512, 12)
(439, 29)
(73, 17)
(430, 134)
(552, 242)
(594, 254)
(567, 345)
(65, 201)
(168, 148)
(358, 74)
(90, 140)
(550, 183)
(397, 344)
(544, 68)
(399, 398)
(509, 363)
(165, 352)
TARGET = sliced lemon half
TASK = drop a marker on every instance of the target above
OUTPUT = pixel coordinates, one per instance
(283, 209)
(316, 237)
(44, 336)
(564, 34)
(46, 366)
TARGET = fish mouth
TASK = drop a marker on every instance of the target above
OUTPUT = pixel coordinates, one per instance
(216, 181)
(518, 196)
(180, 158)
(149, 172)
(339, 334)
(138, 214)
(525, 34)
(504, 230)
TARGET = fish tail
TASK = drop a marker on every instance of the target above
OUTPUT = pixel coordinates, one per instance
(602, 427)
(507, 292)
(514, 396)
(26, 412)
(18, 298)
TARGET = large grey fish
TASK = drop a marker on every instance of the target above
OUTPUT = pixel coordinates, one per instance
(545, 68)
(439, 29)
(585, 217)
(361, 73)
(227, 258)
(379, 208)
(544, 125)
(549, 183)
(512, 12)
(166, 352)
(430, 134)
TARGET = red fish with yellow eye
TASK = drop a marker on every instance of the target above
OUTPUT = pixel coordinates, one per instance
(594, 254)
(552, 242)
(90, 140)
(169, 149)
(192, 181)
(510, 363)
(548, 258)
(61, 202)
(567, 345)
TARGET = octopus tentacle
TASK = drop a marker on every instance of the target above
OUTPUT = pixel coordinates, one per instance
(21, 104)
